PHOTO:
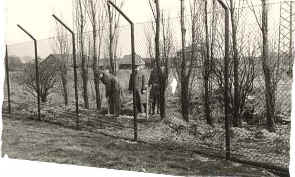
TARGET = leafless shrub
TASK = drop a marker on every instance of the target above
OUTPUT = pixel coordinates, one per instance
(47, 79)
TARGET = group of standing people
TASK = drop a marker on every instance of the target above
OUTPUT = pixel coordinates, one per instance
(141, 89)
(115, 96)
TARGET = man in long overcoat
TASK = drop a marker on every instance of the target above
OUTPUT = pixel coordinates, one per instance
(139, 89)
(113, 92)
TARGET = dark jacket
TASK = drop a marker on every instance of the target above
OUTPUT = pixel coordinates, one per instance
(154, 77)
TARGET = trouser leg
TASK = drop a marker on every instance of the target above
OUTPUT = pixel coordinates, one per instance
(153, 105)
(138, 104)
(145, 107)
(158, 105)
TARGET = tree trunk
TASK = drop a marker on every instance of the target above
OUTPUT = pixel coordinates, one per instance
(162, 102)
(206, 100)
(85, 82)
(96, 86)
(184, 99)
(236, 116)
(206, 71)
(111, 40)
(157, 60)
(84, 68)
(269, 94)
(269, 99)
(184, 77)
(95, 73)
(115, 105)
(64, 86)
(43, 98)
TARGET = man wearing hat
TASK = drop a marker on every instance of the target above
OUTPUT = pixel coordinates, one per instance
(139, 88)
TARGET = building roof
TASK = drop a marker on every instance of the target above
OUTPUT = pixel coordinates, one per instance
(127, 60)
(104, 62)
(69, 61)
(54, 58)
(148, 60)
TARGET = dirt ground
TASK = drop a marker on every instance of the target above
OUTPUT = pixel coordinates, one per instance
(40, 141)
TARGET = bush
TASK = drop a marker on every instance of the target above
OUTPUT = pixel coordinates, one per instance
(47, 79)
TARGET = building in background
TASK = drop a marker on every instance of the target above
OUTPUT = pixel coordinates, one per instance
(126, 62)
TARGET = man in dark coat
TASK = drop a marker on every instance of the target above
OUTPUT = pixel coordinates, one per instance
(113, 91)
(139, 89)
(154, 83)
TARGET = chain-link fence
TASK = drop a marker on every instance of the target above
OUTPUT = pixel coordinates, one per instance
(57, 93)
(250, 141)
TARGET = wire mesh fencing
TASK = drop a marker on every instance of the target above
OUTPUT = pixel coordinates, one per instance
(249, 141)
(56, 87)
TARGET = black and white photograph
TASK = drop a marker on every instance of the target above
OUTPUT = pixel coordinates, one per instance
(166, 87)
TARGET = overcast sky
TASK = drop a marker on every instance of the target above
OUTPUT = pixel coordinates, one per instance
(35, 16)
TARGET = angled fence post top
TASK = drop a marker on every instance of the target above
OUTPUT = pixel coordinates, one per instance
(75, 67)
(222, 4)
(56, 18)
(110, 3)
(26, 32)
(120, 11)
(36, 67)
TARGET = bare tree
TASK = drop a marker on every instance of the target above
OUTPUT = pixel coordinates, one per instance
(267, 70)
(80, 21)
(200, 52)
(236, 116)
(113, 20)
(188, 62)
(235, 10)
(196, 33)
(247, 51)
(47, 74)
(183, 77)
(194, 51)
(96, 14)
(161, 62)
(277, 68)
(207, 63)
(149, 37)
(167, 47)
(62, 47)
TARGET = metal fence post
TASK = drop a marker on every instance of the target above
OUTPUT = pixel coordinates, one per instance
(37, 69)
(75, 67)
(7, 80)
(226, 87)
(133, 66)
